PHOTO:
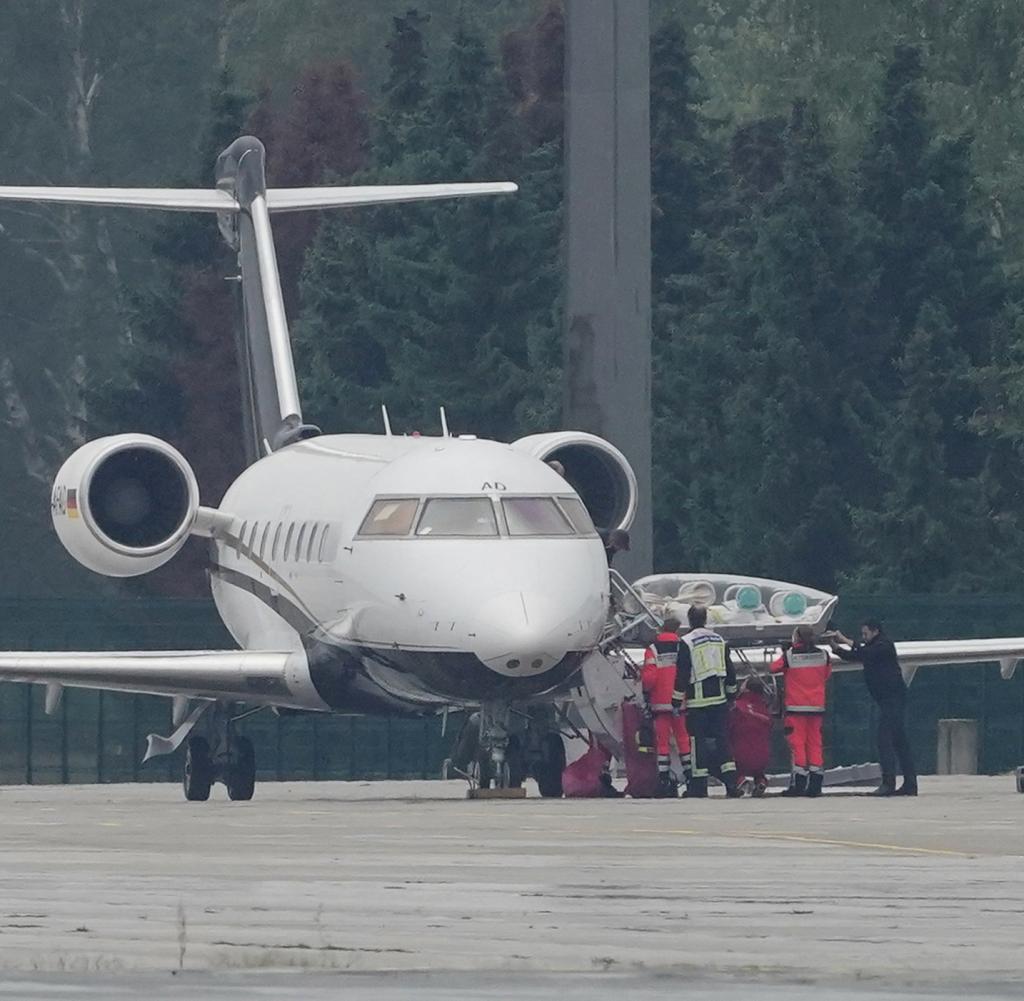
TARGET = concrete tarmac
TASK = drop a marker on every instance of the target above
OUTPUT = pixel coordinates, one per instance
(382, 889)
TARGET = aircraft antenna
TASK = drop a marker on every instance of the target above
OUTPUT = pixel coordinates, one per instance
(387, 419)
(445, 433)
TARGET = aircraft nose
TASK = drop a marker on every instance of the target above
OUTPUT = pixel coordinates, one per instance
(521, 633)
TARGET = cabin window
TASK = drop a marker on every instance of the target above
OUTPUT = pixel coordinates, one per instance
(535, 516)
(390, 516)
(323, 543)
(263, 540)
(312, 541)
(240, 539)
(577, 513)
(277, 541)
(457, 516)
(299, 541)
(287, 555)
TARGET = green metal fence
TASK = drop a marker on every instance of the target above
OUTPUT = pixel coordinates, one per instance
(100, 736)
(976, 692)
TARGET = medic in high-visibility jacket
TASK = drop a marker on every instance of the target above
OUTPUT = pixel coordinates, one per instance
(658, 679)
(806, 669)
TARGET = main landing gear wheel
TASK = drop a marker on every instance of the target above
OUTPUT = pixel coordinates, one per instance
(240, 774)
(548, 771)
(198, 770)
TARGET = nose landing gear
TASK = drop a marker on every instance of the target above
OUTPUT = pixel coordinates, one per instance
(500, 745)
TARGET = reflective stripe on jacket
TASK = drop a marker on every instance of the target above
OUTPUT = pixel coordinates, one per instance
(704, 676)
(659, 672)
(806, 671)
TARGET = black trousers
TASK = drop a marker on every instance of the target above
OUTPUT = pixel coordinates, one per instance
(709, 743)
(893, 745)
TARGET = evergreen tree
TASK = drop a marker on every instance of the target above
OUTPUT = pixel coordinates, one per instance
(179, 377)
(942, 303)
(421, 306)
(933, 529)
(785, 438)
(681, 153)
(684, 349)
(318, 136)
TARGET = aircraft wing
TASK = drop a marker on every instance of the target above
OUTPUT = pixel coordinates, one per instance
(1007, 652)
(254, 676)
(927, 653)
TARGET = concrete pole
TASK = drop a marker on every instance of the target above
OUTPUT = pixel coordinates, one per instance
(608, 229)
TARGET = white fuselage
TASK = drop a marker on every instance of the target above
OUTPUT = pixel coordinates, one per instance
(409, 617)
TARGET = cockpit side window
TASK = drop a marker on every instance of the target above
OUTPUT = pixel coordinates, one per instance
(457, 516)
(535, 516)
(390, 516)
(577, 513)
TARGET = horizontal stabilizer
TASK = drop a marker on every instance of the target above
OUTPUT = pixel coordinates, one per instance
(295, 199)
(278, 199)
(169, 199)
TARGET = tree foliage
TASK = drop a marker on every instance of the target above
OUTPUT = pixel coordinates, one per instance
(837, 251)
(453, 305)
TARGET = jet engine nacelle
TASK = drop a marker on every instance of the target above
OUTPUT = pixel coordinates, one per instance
(596, 469)
(124, 505)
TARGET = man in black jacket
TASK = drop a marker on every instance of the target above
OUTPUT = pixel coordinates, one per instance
(884, 678)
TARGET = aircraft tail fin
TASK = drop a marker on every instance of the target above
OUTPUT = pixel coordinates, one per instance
(272, 413)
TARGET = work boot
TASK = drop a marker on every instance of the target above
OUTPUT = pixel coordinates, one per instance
(608, 790)
(667, 788)
(697, 789)
(732, 789)
(887, 788)
(909, 788)
(797, 786)
(760, 789)
(814, 783)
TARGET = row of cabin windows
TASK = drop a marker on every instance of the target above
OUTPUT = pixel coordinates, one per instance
(305, 542)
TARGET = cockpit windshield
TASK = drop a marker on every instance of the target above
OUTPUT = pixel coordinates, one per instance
(390, 516)
(578, 515)
(477, 518)
(448, 516)
(535, 516)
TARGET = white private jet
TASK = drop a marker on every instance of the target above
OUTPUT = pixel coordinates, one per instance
(358, 573)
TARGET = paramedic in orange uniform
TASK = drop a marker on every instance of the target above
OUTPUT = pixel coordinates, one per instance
(806, 669)
(659, 681)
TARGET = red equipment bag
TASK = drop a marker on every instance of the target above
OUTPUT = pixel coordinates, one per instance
(582, 778)
(641, 765)
(750, 733)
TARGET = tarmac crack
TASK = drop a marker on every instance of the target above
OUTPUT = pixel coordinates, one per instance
(306, 947)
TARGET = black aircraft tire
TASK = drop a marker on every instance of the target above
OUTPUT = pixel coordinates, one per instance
(516, 762)
(467, 745)
(241, 777)
(548, 771)
(198, 771)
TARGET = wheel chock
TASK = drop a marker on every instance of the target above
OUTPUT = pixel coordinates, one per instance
(496, 793)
